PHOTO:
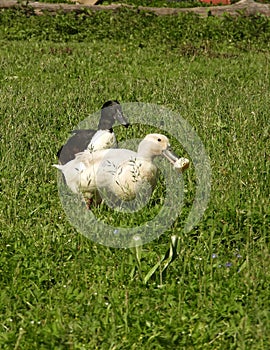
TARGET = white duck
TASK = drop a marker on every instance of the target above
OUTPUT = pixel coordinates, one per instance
(122, 172)
(103, 138)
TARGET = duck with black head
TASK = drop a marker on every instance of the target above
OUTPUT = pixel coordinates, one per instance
(102, 138)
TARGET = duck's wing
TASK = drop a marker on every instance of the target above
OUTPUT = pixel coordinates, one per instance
(78, 142)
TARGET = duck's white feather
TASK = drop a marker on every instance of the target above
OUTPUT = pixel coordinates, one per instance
(102, 139)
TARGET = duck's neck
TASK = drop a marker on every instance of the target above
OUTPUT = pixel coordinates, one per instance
(144, 151)
(105, 123)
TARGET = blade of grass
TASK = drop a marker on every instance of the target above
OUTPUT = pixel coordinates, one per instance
(167, 259)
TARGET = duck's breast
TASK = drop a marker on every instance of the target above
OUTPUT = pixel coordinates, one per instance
(102, 139)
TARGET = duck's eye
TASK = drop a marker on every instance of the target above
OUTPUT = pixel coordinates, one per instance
(159, 140)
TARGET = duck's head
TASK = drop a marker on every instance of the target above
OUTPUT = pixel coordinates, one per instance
(156, 145)
(111, 111)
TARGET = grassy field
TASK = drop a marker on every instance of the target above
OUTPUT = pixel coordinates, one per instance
(60, 290)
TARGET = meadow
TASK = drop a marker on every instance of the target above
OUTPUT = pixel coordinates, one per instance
(60, 290)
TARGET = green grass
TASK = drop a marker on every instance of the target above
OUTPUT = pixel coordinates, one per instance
(60, 290)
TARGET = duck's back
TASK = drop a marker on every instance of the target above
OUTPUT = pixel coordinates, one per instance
(78, 142)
